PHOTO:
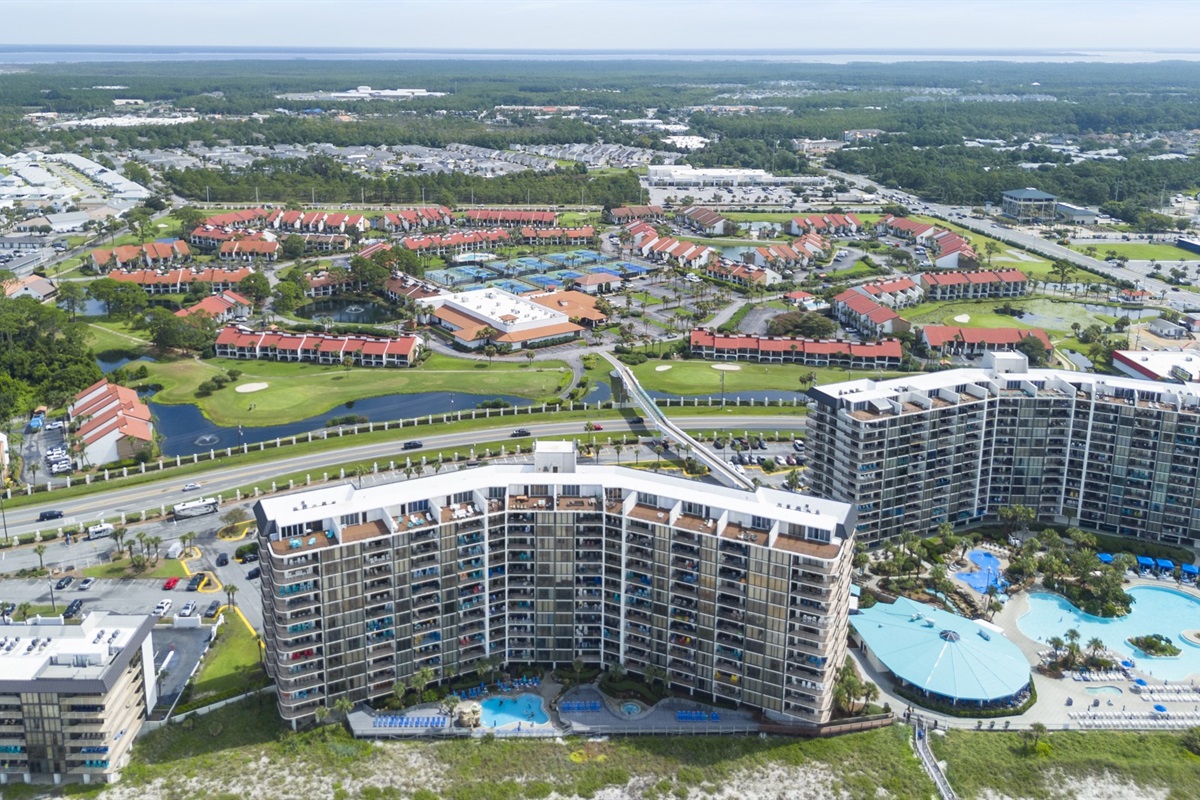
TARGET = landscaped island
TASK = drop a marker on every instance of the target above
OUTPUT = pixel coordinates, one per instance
(1155, 645)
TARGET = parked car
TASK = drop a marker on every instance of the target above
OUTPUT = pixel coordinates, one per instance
(73, 609)
(413, 445)
(213, 608)
(198, 580)
(49, 515)
(187, 610)
(170, 583)
(253, 574)
(162, 608)
(86, 584)
(246, 559)
(222, 559)
(64, 582)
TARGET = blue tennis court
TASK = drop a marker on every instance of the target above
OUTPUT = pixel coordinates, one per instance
(636, 269)
(604, 269)
(509, 285)
(588, 255)
(543, 281)
(566, 274)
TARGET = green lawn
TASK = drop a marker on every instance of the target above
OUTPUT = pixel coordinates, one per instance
(232, 664)
(776, 217)
(298, 391)
(1054, 316)
(696, 377)
(1168, 254)
(108, 337)
(997, 764)
(118, 570)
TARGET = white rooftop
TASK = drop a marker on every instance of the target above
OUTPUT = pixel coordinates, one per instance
(47, 648)
(501, 309)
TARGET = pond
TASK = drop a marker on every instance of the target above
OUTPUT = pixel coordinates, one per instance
(351, 312)
(185, 430)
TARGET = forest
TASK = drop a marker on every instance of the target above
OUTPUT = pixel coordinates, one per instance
(44, 357)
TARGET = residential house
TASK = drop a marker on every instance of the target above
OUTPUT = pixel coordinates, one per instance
(245, 218)
(455, 242)
(249, 250)
(574, 237)
(409, 219)
(34, 286)
(223, 307)
(111, 422)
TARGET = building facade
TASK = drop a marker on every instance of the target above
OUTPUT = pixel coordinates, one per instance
(73, 697)
(742, 596)
(1110, 454)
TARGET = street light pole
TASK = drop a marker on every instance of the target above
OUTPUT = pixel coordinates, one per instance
(3, 516)
(53, 602)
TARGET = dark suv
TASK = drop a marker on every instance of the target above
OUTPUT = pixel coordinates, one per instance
(48, 515)
(73, 609)
(413, 445)
(213, 608)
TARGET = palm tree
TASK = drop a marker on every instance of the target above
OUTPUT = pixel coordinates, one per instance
(231, 590)
(1095, 646)
(618, 447)
(23, 609)
(1056, 642)
(343, 706)
(40, 550)
(869, 694)
(322, 714)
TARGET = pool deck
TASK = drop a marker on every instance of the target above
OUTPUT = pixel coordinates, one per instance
(1128, 712)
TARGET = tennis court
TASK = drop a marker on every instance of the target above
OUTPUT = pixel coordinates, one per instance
(515, 287)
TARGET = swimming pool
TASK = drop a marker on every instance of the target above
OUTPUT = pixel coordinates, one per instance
(1156, 609)
(1104, 690)
(501, 711)
(987, 575)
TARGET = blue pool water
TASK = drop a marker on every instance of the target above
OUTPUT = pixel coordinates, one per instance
(1156, 609)
(501, 711)
(1104, 690)
(987, 575)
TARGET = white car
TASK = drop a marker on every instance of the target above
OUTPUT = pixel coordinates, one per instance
(162, 608)
(187, 610)
(53, 426)
(191, 487)
(87, 584)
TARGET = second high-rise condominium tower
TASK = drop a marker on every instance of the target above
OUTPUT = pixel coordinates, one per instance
(1109, 454)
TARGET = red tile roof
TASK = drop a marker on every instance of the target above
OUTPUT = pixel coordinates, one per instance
(938, 335)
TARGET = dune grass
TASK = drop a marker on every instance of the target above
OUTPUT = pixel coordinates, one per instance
(1000, 764)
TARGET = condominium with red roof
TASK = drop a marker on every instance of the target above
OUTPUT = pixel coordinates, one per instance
(556, 236)
(364, 351)
(744, 275)
(949, 249)
(177, 281)
(885, 354)
(112, 423)
(509, 218)
(153, 255)
(974, 285)
(799, 253)
(409, 219)
(624, 214)
(951, 340)
(825, 224)
(859, 311)
(896, 293)
(245, 218)
(705, 220)
(455, 242)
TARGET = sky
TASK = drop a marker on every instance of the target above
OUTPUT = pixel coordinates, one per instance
(659, 25)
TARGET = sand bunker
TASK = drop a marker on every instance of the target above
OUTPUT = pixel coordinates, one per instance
(247, 388)
(727, 367)
(662, 368)
(963, 318)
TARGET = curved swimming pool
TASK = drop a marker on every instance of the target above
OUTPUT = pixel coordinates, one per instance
(501, 711)
(1156, 609)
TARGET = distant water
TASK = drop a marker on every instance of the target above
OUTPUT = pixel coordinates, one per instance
(54, 54)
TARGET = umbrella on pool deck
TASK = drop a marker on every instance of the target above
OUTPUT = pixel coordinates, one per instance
(1140, 681)
(1160, 709)
(1127, 664)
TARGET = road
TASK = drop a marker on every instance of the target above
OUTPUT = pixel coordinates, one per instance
(169, 491)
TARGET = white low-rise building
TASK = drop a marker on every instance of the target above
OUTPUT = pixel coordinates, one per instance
(514, 321)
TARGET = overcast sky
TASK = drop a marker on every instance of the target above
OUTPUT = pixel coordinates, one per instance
(617, 24)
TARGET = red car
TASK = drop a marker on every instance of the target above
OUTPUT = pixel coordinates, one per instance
(170, 583)
(596, 426)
